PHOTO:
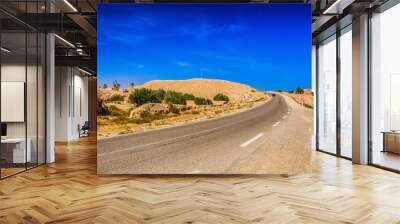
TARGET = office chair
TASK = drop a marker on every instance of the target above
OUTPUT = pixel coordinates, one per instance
(84, 130)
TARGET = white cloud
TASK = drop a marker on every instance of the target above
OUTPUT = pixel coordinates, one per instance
(182, 63)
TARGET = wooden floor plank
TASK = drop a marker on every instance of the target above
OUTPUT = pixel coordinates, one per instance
(70, 191)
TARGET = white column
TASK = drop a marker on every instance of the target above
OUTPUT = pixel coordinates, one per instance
(314, 89)
(50, 99)
(360, 90)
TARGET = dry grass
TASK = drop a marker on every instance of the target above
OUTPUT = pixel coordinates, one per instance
(116, 125)
(306, 99)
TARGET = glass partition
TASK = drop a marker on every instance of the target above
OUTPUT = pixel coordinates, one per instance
(385, 89)
(22, 92)
(32, 97)
(13, 114)
(327, 95)
(346, 92)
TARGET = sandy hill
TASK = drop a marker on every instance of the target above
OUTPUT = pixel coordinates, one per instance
(206, 88)
(105, 94)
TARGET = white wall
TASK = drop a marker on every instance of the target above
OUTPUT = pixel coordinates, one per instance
(71, 102)
(62, 83)
(33, 126)
(14, 72)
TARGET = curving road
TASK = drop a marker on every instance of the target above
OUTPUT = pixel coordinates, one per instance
(221, 145)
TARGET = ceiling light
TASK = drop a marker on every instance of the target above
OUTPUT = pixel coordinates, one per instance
(64, 40)
(84, 71)
(70, 5)
(329, 9)
(337, 7)
(79, 51)
(5, 50)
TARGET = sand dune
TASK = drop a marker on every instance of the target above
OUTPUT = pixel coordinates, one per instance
(206, 88)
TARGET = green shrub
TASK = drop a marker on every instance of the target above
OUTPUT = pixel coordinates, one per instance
(173, 97)
(299, 90)
(290, 91)
(142, 96)
(202, 101)
(160, 94)
(221, 97)
(116, 97)
(188, 96)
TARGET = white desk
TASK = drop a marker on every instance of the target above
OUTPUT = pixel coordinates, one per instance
(19, 155)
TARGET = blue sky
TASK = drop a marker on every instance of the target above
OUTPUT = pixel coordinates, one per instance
(266, 46)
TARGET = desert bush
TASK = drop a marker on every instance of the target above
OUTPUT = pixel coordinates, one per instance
(142, 96)
(147, 117)
(188, 96)
(102, 108)
(279, 91)
(202, 101)
(221, 97)
(299, 90)
(105, 86)
(116, 97)
(290, 91)
(159, 94)
(173, 97)
(174, 109)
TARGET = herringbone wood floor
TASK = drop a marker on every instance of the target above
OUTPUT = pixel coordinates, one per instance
(69, 191)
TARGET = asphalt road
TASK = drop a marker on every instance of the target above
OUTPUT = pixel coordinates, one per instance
(211, 147)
